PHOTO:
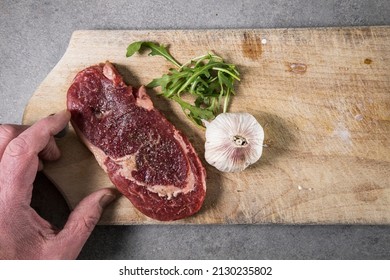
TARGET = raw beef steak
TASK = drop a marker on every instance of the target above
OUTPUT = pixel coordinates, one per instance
(146, 157)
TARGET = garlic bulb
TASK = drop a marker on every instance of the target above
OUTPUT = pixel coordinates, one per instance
(233, 141)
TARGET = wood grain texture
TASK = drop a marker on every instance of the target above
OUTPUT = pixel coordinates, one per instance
(322, 96)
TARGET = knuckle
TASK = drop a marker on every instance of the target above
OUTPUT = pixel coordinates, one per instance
(90, 222)
(18, 147)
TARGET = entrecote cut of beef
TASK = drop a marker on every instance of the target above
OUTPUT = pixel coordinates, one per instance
(150, 162)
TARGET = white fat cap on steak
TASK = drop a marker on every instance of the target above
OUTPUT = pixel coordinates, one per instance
(127, 165)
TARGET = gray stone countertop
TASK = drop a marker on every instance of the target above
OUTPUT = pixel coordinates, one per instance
(35, 34)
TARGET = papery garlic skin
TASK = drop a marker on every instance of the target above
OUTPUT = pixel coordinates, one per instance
(233, 141)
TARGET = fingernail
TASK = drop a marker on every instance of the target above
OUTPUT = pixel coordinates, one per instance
(106, 199)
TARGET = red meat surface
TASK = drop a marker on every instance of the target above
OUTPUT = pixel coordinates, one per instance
(145, 156)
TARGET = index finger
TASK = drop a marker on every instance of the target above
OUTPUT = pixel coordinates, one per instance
(19, 163)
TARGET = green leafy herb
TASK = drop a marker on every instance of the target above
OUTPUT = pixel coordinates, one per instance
(207, 78)
(155, 50)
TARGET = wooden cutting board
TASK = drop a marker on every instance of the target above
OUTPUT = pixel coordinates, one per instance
(322, 96)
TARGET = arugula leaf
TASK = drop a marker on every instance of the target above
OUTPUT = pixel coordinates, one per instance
(196, 114)
(208, 78)
(155, 50)
(133, 48)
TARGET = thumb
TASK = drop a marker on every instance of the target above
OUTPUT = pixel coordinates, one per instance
(83, 220)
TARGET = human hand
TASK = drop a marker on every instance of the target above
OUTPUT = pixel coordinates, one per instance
(23, 233)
